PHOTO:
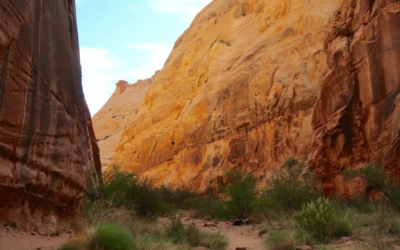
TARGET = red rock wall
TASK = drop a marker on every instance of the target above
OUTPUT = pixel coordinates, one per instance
(357, 115)
(46, 156)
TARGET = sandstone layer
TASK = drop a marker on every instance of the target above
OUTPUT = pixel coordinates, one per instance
(357, 116)
(116, 114)
(47, 144)
(237, 91)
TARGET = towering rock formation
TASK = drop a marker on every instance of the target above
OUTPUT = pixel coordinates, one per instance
(118, 112)
(238, 90)
(357, 115)
(46, 152)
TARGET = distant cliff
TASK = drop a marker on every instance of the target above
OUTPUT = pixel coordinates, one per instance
(47, 146)
(238, 90)
(251, 83)
(118, 112)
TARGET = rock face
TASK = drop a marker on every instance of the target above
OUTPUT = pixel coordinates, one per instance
(47, 145)
(238, 90)
(117, 114)
(357, 115)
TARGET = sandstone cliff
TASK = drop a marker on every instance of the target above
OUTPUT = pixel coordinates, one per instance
(357, 115)
(47, 145)
(238, 90)
(118, 112)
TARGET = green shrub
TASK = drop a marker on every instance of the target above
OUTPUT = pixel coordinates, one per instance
(175, 230)
(125, 189)
(242, 196)
(179, 233)
(103, 236)
(105, 211)
(320, 220)
(176, 197)
(280, 240)
(117, 184)
(214, 241)
(376, 179)
(111, 236)
(291, 186)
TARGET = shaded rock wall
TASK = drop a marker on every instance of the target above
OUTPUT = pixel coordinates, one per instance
(357, 116)
(46, 156)
(238, 90)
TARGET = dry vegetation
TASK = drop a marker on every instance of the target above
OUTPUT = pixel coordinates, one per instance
(290, 213)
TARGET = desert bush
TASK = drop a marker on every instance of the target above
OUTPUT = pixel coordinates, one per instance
(242, 196)
(103, 236)
(214, 241)
(177, 232)
(125, 189)
(383, 221)
(376, 179)
(291, 186)
(203, 206)
(105, 211)
(176, 197)
(321, 221)
(280, 240)
(150, 242)
(111, 236)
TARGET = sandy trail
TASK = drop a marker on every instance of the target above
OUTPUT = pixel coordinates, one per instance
(238, 236)
(13, 239)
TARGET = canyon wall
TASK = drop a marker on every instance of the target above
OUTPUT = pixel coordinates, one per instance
(356, 119)
(238, 90)
(116, 114)
(48, 149)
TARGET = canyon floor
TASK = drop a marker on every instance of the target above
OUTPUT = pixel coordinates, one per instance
(14, 239)
(239, 237)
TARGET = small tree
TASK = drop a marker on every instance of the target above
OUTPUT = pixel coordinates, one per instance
(242, 193)
(291, 186)
(321, 220)
(377, 179)
(125, 189)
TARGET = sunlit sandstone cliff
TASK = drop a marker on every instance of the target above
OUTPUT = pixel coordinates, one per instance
(47, 146)
(357, 116)
(238, 90)
(117, 114)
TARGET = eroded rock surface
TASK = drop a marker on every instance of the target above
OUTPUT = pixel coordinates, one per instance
(238, 90)
(47, 145)
(357, 116)
(116, 114)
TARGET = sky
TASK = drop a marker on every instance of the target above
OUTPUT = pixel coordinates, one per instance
(127, 40)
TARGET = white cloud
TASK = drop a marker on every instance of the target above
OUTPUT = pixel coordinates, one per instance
(98, 59)
(99, 74)
(158, 55)
(189, 8)
(102, 69)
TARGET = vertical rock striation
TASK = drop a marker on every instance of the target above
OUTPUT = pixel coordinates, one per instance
(47, 146)
(357, 116)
